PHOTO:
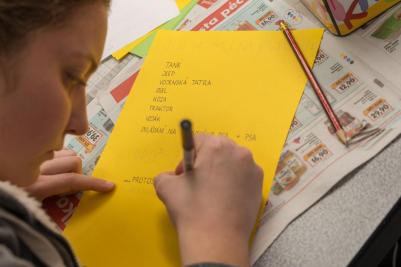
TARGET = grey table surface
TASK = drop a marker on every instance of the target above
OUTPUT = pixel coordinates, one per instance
(332, 231)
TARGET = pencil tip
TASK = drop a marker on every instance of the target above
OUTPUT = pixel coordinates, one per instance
(342, 137)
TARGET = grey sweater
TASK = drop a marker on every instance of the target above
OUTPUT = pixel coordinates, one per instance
(28, 237)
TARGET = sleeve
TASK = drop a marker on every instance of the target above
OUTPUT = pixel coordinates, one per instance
(8, 259)
(10, 247)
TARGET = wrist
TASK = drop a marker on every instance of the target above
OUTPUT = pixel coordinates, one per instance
(226, 247)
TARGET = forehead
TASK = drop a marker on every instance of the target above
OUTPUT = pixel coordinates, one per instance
(82, 33)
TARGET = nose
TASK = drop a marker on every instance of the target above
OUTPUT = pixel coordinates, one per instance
(78, 123)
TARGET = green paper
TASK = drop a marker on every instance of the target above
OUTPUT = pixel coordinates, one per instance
(391, 28)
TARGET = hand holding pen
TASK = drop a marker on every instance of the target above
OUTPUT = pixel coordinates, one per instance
(215, 205)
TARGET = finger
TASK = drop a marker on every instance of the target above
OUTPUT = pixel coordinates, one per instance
(199, 141)
(211, 146)
(203, 140)
(68, 184)
(260, 172)
(180, 168)
(79, 182)
(245, 155)
(69, 164)
(64, 153)
(162, 184)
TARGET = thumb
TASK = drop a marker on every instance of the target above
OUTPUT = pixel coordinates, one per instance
(164, 185)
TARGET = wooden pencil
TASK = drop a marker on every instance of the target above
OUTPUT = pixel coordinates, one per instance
(315, 84)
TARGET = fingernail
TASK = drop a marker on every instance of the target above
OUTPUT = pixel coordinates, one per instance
(109, 185)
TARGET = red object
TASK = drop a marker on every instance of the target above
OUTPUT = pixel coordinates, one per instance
(312, 79)
(206, 3)
(122, 91)
(61, 208)
(219, 15)
(350, 15)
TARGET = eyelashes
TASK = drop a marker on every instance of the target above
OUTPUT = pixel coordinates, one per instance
(72, 80)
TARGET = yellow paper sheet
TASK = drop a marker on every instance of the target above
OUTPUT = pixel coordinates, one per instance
(126, 49)
(242, 84)
(182, 3)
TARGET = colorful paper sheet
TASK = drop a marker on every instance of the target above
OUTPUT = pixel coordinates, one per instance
(245, 85)
(123, 27)
(141, 45)
(142, 49)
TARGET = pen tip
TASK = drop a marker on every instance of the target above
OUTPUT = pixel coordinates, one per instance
(187, 135)
(186, 124)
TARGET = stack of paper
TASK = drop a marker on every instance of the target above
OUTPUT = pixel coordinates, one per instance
(129, 20)
(140, 46)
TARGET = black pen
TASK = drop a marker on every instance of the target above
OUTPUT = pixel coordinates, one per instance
(188, 145)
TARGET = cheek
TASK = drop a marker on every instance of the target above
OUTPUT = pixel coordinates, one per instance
(33, 119)
(53, 112)
(42, 116)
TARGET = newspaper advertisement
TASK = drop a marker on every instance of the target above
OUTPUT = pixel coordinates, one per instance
(385, 34)
(196, 14)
